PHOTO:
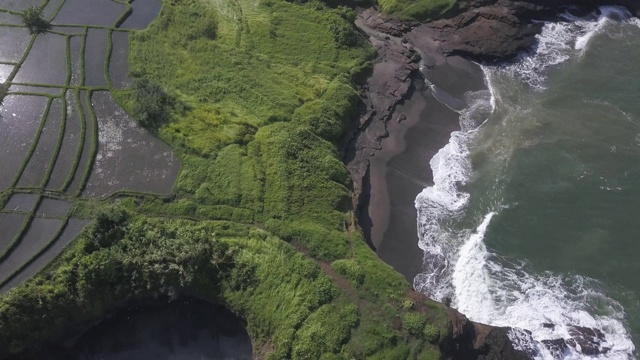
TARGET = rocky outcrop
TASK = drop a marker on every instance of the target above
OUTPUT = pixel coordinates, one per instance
(489, 33)
(399, 46)
(483, 31)
(471, 340)
(588, 341)
(389, 83)
(497, 30)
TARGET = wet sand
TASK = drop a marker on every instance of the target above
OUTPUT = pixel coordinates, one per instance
(400, 170)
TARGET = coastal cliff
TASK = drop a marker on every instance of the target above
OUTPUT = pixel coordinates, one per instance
(480, 31)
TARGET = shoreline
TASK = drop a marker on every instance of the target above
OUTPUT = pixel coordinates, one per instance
(388, 154)
(403, 124)
(401, 115)
(398, 141)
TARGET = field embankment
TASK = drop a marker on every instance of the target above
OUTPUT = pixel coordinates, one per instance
(253, 98)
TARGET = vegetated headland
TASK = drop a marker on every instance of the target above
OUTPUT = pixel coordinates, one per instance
(258, 99)
(404, 122)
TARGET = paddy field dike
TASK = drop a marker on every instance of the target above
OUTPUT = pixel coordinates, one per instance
(189, 149)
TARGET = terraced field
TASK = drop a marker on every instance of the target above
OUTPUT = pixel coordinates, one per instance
(62, 135)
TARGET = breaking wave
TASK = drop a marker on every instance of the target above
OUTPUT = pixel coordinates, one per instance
(552, 316)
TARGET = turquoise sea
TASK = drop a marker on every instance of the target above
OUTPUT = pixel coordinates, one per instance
(534, 218)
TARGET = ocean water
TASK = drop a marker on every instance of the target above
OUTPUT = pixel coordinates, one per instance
(534, 218)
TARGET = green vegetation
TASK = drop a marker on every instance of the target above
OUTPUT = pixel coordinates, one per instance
(4, 88)
(421, 10)
(152, 105)
(254, 97)
(32, 18)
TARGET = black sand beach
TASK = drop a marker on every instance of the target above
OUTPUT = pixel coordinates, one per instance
(416, 129)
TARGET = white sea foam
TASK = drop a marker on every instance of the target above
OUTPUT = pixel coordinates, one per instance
(503, 294)
(562, 40)
(481, 284)
(442, 202)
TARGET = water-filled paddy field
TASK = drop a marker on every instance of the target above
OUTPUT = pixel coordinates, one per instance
(63, 137)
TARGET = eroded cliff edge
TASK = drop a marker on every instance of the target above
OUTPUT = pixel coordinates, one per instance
(482, 31)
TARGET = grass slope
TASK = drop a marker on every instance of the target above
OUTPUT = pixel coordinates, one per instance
(420, 10)
(256, 96)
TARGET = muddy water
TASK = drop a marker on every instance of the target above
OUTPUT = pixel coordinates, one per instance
(90, 12)
(119, 65)
(33, 175)
(95, 55)
(128, 156)
(46, 62)
(72, 150)
(71, 230)
(19, 120)
(69, 147)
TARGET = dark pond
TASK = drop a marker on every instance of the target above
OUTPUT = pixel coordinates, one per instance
(119, 60)
(18, 5)
(14, 42)
(95, 56)
(53, 208)
(184, 329)
(5, 71)
(75, 56)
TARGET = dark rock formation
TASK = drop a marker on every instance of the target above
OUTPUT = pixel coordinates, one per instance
(387, 86)
(557, 347)
(470, 340)
(587, 340)
(482, 31)
(497, 30)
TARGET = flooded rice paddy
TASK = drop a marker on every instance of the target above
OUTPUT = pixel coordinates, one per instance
(62, 135)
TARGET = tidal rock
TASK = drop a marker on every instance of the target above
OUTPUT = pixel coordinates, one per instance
(488, 34)
(470, 340)
(383, 23)
(587, 340)
(556, 347)
(497, 30)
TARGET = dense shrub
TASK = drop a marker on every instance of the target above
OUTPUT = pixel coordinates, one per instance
(149, 256)
(108, 228)
(32, 18)
(350, 269)
(187, 21)
(421, 10)
(322, 243)
(414, 323)
(324, 331)
(343, 34)
(431, 334)
(152, 107)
